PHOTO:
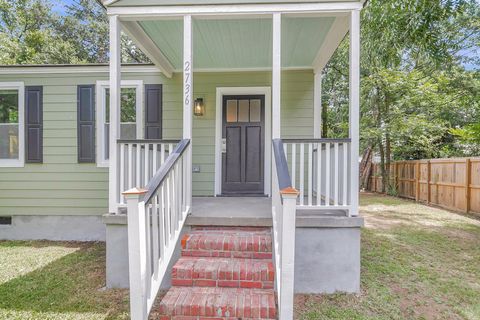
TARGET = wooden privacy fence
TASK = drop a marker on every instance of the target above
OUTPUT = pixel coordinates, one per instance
(449, 183)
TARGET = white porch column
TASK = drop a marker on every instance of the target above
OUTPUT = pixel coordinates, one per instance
(115, 78)
(188, 99)
(276, 75)
(317, 105)
(354, 107)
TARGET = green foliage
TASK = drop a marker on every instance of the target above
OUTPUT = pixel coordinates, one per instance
(417, 98)
(32, 33)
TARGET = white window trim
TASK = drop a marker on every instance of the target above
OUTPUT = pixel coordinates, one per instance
(20, 162)
(100, 114)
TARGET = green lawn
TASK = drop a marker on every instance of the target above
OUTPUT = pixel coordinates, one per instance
(418, 262)
(56, 280)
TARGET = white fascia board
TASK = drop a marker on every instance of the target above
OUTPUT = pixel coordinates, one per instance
(146, 44)
(145, 12)
(335, 35)
(108, 2)
(74, 69)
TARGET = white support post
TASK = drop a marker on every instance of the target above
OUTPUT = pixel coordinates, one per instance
(137, 248)
(276, 75)
(287, 250)
(317, 105)
(188, 99)
(115, 78)
(354, 108)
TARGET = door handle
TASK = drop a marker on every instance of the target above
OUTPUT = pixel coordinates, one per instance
(224, 145)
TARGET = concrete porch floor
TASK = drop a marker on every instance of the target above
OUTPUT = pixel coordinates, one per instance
(231, 211)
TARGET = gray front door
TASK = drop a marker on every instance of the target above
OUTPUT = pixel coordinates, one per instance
(243, 145)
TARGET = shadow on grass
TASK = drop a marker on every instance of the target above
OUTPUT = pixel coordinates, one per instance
(71, 284)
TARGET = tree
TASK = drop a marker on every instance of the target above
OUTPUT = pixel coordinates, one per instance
(414, 87)
(32, 33)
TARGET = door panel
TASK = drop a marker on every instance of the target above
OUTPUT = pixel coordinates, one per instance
(234, 155)
(253, 165)
(243, 131)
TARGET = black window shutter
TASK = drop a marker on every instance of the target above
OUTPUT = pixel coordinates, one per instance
(34, 124)
(86, 123)
(153, 111)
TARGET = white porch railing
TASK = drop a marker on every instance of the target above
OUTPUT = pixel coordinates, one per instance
(284, 198)
(155, 219)
(320, 170)
(138, 161)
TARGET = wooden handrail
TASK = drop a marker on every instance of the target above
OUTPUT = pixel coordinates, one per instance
(162, 173)
(284, 180)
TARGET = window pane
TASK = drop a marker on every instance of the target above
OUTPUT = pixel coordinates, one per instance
(243, 110)
(231, 110)
(128, 125)
(128, 103)
(8, 124)
(255, 111)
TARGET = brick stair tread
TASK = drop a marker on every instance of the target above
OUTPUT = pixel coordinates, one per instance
(223, 272)
(218, 303)
(239, 242)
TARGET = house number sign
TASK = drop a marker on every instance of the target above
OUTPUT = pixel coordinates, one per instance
(187, 86)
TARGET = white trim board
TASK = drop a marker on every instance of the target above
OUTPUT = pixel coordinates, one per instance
(100, 87)
(20, 162)
(221, 91)
(145, 12)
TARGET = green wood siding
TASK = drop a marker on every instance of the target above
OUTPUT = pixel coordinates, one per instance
(61, 186)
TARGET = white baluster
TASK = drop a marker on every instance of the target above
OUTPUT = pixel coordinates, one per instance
(302, 173)
(130, 165)
(345, 172)
(137, 164)
(294, 164)
(310, 173)
(319, 174)
(327, 174)
(147, 164)
(336, 177)
(122, 172)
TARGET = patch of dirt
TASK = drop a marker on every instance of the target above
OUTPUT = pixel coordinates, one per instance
(415, 305)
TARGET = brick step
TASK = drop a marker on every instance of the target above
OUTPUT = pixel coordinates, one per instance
(233, 243)
(217, 303)
(223, 272)
(217, 229)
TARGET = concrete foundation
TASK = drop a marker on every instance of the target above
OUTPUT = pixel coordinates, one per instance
(327, 259)
(117, 253)
(60, 228)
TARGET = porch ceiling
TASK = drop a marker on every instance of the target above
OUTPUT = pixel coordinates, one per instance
(240, 43)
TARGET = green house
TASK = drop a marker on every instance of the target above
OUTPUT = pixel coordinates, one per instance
(209, 158)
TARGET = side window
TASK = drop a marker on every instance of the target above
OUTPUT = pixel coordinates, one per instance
(131, 116)
(12, 97)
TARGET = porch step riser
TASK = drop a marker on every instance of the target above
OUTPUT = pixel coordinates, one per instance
(211, 244)
(218, 272)
(218, 303)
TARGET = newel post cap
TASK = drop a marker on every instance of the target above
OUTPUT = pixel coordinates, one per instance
(134, 193)
(289, 192)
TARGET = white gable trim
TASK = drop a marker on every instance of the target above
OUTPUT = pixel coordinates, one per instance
(335, 35)
(146, 44)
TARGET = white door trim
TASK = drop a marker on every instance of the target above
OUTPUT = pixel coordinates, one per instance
(221, 91)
